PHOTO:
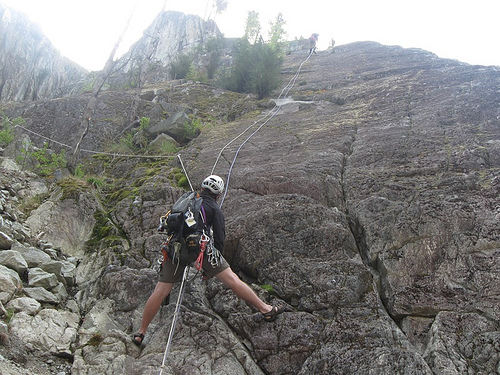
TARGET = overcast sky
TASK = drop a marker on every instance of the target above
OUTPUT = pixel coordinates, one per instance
(85, 31)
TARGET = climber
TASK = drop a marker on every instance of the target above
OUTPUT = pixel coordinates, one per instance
(211, 188)
(313, 39)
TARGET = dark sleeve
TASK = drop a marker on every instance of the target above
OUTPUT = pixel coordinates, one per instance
(219, 228)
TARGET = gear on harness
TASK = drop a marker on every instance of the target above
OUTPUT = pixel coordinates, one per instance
(213, 255)
(188, 239)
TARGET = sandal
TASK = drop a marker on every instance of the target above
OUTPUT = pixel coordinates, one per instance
(271, 315)
(138, 336)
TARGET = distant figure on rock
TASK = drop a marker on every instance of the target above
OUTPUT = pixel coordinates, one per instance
(313, 39)
(332, 45)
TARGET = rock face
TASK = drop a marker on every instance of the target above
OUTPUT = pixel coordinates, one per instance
(367, 203)
(170, 34)
(31, 68)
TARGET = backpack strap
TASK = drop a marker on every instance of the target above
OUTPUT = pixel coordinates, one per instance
(204, 239)
(203, 214)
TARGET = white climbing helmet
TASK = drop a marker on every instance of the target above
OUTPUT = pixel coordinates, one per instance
(213, 183)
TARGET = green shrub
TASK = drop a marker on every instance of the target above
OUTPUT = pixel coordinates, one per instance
(179, 67)
(144, 123)
(72, 187)
(125, 144)
(43, 160)
(214, 48)
(95, 181)
(183, 182)
(6, 135)
(7, 125)
(255, 68)
(268, 288)
(193, 127)
(196, 74)
(48, 161)
(79, 171)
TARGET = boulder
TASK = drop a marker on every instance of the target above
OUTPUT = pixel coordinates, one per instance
(20, 232)
(50, 330)
(175, 126)
(41, 295)
(5, 241)
(99, 320)
(10, 283)
(66, 223)
(26, 304)
(60, 292)
(14, 260)
(37, 277)
(64, 270)
(162, 143)
(9, 164)
(32, 255)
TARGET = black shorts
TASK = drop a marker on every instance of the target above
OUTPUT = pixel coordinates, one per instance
(172, 272)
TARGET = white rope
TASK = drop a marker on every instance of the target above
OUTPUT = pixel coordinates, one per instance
(174, 319)
(90, 151)
(272, 113)
(185, 172)
(288, 87)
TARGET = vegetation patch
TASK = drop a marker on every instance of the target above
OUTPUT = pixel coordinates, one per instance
(178, 178)
(43, 160)
(7, 126)
(268, 288)
(95, 340)
(72, 187)
(30, 204)
(105, 234)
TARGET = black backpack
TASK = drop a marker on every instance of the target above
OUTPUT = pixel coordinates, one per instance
(185, 227)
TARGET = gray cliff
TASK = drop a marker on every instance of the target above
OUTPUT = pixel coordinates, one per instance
(367, 203)
(30, 67)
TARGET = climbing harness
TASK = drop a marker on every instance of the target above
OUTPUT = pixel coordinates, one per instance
(204, 242)
(213, 255)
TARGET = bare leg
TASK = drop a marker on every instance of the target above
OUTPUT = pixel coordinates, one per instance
(242, 290)
(162, 290)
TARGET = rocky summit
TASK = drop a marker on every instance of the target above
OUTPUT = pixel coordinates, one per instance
(363, 195)
(31, 68)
